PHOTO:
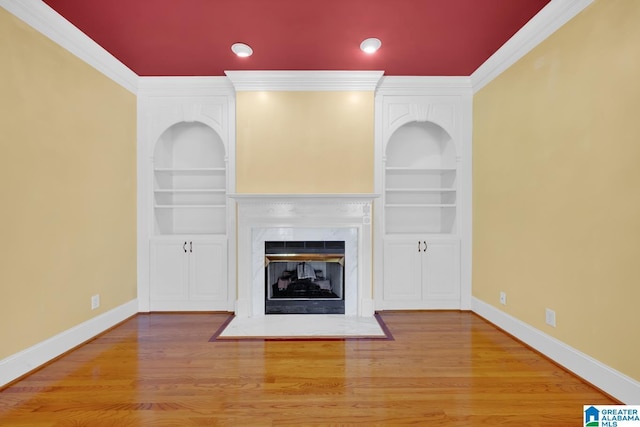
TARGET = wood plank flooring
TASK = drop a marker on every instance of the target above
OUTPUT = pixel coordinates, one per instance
(442, 369)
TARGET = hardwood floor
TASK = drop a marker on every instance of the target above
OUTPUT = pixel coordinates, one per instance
(442, 369)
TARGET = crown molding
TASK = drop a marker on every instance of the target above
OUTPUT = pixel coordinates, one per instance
(424, 85)
(45, 20)
(185, 86)
(304, 80)
(553, 16)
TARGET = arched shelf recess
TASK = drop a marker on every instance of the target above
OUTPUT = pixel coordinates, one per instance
(420, 180)
(189, 181)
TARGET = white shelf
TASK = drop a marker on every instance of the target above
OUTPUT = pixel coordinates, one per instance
(420, 205)
(417, 169)
(189, 170)
(420, 181)
(189, 206)
(189, 181)
(190, 190)
(421, 190)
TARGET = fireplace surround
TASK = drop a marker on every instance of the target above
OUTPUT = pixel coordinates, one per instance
(289, 218)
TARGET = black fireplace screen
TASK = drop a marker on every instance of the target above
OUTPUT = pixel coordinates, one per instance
(304, 277)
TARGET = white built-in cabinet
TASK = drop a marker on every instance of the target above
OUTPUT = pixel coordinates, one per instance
(188, 217)
(186, 172)
(420, 148)
(188, 274)
(421, 273)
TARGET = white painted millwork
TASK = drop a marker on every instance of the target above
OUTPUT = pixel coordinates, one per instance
(421, 273)
(423, 135)
(304, 80)
(169, 271)
(208, 271)
(186, 169)
(188, 274)
(268, 217)
(189, 181)
(403, 271)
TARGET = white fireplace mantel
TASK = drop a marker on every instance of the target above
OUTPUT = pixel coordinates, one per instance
(263, 217)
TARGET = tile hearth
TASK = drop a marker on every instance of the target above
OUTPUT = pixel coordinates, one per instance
(303, 326)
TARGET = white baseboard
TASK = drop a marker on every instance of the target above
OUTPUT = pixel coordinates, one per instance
(188, 306)
(27, 360)
(432, 304)
(367, 307)
(612, 382)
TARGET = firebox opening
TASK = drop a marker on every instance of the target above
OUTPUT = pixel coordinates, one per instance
(304, 277)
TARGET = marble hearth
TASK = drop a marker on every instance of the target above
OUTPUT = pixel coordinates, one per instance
(274, 217)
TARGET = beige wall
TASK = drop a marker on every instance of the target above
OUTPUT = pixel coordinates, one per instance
(557, 185)
(304, 142)
(67, 188)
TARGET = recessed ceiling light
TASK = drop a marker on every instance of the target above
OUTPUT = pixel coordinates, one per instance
(242, 50)
(370, 45)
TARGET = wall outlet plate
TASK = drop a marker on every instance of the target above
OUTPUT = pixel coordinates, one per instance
(503, 298)
(550, 317)
(95, 302)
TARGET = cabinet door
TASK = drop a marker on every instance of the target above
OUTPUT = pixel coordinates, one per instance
(402, 272)
(441, 272)
(208, 271)
(169, 273)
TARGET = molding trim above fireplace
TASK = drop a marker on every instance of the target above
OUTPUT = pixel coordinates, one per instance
(302, 217)
(305, 80)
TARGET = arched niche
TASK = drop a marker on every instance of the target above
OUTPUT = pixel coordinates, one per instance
(420, 179)
(189, 181)
(421, 145)
(189, 145)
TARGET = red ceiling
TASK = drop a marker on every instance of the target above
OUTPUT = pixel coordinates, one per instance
(193, 37)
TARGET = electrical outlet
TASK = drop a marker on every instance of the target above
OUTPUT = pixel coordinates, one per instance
(95, 302)
(550, 317)
(503, 298)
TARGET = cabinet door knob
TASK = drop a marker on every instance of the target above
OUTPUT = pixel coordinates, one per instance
(190, 246)
(425, 246)
(419, 246)
(184, 247)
